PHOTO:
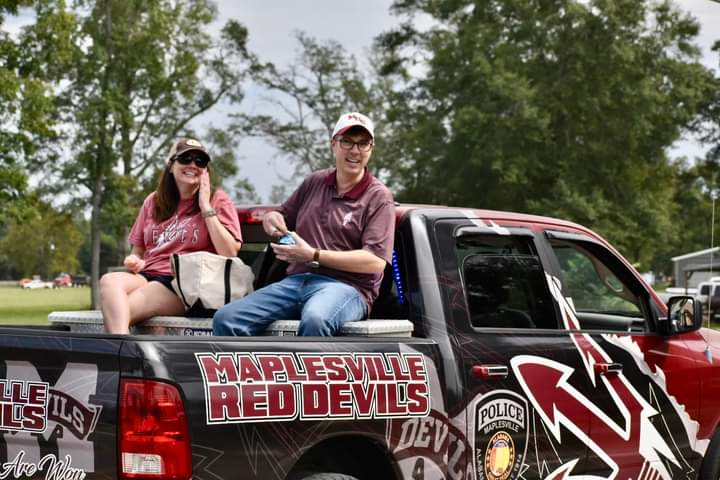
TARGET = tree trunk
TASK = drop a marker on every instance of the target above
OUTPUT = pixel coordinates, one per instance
(101, 161)
(127, 155)
(95, 241)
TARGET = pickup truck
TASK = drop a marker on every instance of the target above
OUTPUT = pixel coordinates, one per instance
(537, 352)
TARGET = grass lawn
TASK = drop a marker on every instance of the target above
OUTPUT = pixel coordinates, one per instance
(19, 306)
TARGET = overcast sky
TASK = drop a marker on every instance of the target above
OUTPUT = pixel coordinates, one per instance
(354, 24)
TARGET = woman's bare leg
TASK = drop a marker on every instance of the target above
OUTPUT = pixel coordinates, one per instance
(152, 300)
(115, 289)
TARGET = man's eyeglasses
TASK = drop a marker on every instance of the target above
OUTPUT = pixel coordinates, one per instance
(201, 161)
(347, 144)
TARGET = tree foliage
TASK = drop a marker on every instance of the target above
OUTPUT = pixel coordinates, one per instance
(131, 78)
(560, 107)
(27, 118)
(45, 243)
(306, 99)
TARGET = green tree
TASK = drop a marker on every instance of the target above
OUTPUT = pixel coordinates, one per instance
(137, 74)
(557, 107)
(692, 226)
(707, 127)
(27, 118)
(307, 97)
(46, 243)
(699, 181)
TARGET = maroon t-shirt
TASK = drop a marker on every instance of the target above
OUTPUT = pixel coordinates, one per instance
(184, 232)
(362, 218)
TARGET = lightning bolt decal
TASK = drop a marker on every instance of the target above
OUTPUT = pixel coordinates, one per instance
(558, 403)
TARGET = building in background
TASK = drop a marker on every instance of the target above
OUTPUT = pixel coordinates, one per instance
(695, 267)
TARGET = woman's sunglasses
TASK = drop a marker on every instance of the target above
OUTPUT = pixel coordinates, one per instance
(201, 161)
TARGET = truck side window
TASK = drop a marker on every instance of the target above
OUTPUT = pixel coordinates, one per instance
(504, 283)
(601, 299)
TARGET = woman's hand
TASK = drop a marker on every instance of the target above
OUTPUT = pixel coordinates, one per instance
(204, 191)
(134, 263)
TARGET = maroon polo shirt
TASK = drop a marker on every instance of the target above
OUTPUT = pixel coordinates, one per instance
(362, 218)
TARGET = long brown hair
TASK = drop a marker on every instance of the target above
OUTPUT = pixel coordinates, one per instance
(167, 195)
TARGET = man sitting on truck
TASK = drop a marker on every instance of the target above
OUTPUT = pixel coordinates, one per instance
(336, 232)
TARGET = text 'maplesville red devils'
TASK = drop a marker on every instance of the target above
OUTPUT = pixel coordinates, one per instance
(23, 405)
(252, 387)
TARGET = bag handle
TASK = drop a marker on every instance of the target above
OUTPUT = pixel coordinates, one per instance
(176, 264)
(228, 267)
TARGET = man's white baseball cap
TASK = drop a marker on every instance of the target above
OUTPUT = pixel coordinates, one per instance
(353, 119)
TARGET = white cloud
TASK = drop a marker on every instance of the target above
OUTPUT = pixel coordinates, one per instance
(13, 24)
(708, 14)
(272, 23)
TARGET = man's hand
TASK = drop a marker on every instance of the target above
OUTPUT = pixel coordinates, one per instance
(301, 252)
(134, 263)
(274, 224)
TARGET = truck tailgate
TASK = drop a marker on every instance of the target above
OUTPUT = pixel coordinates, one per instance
(59, 394)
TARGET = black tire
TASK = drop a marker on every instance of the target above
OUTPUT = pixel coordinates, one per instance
(710, 469)
(322, 476)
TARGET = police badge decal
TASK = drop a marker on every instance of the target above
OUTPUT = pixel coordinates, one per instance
(501, 435)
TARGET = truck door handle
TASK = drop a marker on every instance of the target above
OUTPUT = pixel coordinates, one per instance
(608, 368)
(489, 372)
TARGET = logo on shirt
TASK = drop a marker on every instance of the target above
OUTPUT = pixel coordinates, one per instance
(177, 230)
(346, 219)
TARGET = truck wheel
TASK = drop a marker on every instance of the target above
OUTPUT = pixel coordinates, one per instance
(322, 476)
(710, 469)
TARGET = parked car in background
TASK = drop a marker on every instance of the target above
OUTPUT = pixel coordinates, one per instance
(80, 280)
(709, 294)
(38, 284)
(63, 280)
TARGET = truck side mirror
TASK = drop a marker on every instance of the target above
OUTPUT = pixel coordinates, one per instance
(684, 314)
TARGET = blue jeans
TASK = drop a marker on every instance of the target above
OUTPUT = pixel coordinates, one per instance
(321, 303)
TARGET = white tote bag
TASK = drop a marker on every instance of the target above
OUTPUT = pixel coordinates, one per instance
(209, 281)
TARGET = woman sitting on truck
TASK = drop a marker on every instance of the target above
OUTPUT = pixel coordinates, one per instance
(182, 215)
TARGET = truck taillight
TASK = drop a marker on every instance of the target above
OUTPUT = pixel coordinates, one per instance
(153, 432)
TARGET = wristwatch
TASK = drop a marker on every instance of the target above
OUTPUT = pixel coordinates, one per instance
(315, 262)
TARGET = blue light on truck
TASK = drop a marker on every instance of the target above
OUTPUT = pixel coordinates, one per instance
(397, 279)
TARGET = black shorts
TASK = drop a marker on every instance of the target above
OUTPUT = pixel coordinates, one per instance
(164, 279)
